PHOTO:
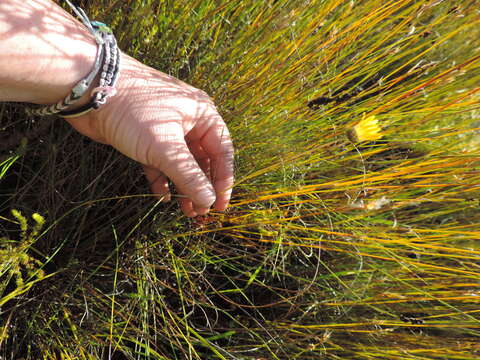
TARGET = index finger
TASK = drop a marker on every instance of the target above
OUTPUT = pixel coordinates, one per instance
(217, 143)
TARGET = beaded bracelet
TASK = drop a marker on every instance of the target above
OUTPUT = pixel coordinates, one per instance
(107, 59)
(108, 76)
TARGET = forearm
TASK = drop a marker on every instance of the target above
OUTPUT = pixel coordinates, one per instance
(44, 51)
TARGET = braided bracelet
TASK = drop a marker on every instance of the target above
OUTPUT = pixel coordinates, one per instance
(107, 59)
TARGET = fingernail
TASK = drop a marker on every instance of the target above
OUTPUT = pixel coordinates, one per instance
(191, 214)
(220, 207)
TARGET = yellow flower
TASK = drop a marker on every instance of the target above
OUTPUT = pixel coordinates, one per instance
(366, 130)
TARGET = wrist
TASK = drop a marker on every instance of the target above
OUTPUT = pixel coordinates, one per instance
(42, 68)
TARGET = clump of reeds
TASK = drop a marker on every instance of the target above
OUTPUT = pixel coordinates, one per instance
(354, 225)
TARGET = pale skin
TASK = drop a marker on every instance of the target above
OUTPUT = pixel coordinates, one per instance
(170, 127)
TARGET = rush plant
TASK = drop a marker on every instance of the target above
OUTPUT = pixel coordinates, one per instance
(354, 227)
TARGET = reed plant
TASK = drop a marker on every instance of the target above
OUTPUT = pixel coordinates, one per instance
(354, 227)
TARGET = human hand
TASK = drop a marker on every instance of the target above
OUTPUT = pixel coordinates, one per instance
(173, 130)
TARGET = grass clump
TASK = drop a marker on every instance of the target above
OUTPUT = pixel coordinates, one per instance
(335, 246)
